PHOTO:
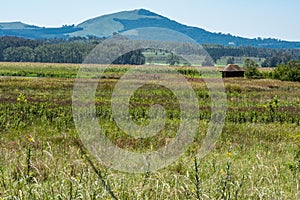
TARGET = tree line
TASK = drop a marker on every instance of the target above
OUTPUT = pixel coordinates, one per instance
(75, 49)
(59, 50)
(272, 57)
(285, 72)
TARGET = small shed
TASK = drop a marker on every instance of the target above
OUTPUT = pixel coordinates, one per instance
(233, 70)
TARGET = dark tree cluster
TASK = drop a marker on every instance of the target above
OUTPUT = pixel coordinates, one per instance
(132, 58)
(284, 72)
(15, 42)
(252, 69)
(277, 59)
(52, 53)
(59, 50)
(287, 72)
(273, 56)
(75, 49)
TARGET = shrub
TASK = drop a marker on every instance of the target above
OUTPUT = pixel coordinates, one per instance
(252, 69)
(253, 72)
(288, 72)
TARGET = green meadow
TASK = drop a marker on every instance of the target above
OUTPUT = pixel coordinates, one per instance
(257, 155)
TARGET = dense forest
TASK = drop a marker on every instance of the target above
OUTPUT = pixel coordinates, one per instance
(75, 49)
(71, 50)
(272, 57)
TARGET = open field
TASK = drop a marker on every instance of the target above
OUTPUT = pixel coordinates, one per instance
(256, 157)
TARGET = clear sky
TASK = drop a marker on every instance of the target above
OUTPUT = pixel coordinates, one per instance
(248, 18)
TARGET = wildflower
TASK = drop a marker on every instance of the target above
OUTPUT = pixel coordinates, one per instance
(30, 174)
(22, 98)
(30, 139)
(222, 172)
(228, 154)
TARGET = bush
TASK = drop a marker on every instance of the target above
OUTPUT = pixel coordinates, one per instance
(288, 72)
(252, 69)
(253, 72)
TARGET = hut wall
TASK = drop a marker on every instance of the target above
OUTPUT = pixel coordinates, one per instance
(233, 74)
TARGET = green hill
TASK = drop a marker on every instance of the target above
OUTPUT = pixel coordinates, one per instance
(16, 25)
(107, 25)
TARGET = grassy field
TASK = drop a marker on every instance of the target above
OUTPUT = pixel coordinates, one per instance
(256, 157)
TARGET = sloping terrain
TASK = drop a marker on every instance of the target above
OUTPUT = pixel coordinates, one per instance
(107, 25)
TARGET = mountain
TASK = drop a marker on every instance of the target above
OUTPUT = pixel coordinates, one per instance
(34, 32)
(15, 25)
(106, 25)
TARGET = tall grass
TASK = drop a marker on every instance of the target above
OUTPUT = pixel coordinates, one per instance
(256, 157)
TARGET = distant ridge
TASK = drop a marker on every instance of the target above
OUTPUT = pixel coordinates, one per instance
(16, 25)
(107, 25)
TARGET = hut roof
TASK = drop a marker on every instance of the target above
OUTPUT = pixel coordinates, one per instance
(232, 68)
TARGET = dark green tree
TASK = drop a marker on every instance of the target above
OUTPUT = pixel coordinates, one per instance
(250, 63)
(208, 62)
(131, 58)
(252, 69)
(18, 54)
(230, 60)
(287, 72)
(173, 59)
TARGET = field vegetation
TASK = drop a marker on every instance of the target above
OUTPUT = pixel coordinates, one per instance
(41, 157)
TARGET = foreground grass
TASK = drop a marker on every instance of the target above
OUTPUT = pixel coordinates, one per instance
(256, 157)
(246, 164)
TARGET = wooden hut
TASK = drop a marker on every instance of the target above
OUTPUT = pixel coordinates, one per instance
(233, 70)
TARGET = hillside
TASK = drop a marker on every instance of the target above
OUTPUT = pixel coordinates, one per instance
(106, 25)
(16, 25)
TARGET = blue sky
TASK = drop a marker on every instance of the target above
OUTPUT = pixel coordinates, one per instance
(248, 18)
